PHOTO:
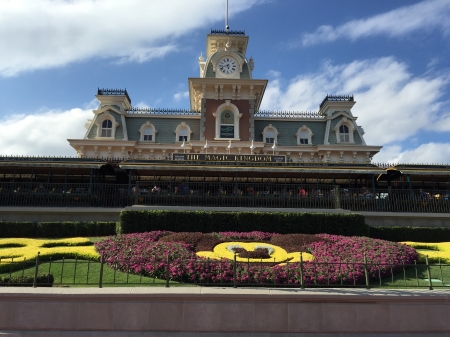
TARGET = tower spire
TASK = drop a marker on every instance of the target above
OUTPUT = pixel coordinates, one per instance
(226, 19)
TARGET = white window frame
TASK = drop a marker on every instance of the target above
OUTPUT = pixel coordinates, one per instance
(304, 128)
(237, 116)
(270, 128)
(99, 122)
(182, 126)
(144, 127)
(351, 128)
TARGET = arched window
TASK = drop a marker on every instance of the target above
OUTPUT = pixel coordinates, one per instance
(270, 137)
(183, 133)
(106, 128)
(106, 125)
(227, 121)
(227, 124)
(304, 136)
(344, 134)
(344, 131)
(270, 134)
(148, 134)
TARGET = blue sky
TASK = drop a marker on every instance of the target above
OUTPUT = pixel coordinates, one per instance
(394, 56)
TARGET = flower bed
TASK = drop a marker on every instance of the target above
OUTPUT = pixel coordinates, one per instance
(15, 250)
(436, 252)
(326, 258)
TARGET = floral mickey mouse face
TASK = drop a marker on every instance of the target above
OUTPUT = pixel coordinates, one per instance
(247, 252)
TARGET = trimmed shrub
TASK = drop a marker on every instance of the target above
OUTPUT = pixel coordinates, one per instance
(69, 229)
(17, 229)
(56, 229)
(418, 234)
(207, 222)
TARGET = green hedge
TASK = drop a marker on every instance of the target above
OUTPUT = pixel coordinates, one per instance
(17, 229)
(65, 229)
(417, 234)
(42, 280)
(206, 222)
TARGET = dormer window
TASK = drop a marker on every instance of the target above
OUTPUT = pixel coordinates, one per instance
(148, 132)
(183, 133)
(270, 137)
(304, 136)
(106, 125)
(270, 134)
(344, 131)
(106, 128)
(344, 134)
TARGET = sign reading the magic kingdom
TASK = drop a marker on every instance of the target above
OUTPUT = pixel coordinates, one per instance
(255, 158)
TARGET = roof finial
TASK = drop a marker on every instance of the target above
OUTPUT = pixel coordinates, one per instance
(226, 20)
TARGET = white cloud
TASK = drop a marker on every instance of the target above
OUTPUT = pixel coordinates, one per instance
(426, 15)
(432, 153)
(392, 105)
(181, 95)
(142, 105)
(43, 133)
(51, 33)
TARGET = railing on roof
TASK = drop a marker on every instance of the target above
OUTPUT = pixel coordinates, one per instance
(227, 32)
(287, 114)
(113, 92)
(163, 111)
(415, 165)
(48, 158)
(337, 98)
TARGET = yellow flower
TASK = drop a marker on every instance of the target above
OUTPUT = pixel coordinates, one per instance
(277, 254)
(435, 251)
(21, 249)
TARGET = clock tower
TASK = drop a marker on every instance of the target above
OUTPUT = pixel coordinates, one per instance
(225, 94)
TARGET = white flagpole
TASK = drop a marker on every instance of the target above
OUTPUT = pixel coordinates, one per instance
(274, 147)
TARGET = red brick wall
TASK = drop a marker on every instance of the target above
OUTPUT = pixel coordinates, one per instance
(211, 106)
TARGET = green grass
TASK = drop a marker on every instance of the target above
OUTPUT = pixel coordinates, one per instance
(82, 273)
(417, 277)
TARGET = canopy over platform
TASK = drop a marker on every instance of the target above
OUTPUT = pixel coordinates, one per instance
(63, 162)
(250, 166)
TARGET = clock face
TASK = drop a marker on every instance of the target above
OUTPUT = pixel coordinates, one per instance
(227, 65)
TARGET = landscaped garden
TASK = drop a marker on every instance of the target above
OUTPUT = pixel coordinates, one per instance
(264, 258)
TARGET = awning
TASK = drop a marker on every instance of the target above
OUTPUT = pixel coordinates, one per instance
(52, 162)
